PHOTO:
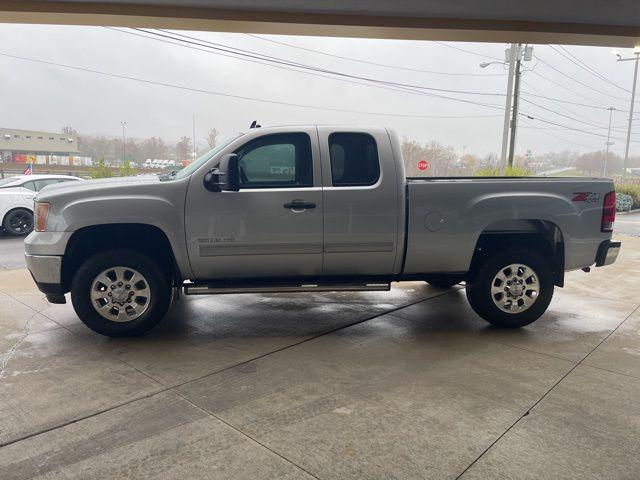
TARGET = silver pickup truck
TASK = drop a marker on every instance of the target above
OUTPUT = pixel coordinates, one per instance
(308, 209)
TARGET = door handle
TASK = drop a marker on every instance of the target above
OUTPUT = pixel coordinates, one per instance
(299, 205)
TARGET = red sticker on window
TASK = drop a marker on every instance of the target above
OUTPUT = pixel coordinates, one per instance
(423, 165)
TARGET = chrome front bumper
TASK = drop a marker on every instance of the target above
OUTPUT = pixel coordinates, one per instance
(607, 253)
(45, 269)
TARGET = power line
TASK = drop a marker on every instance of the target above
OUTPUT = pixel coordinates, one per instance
(366, 62)
(374, 85)
(416, 70)
(530, 117)
(554, 102)
(600, 92)
(601, 127)
(240, 97)
(482, 55)
(575, 60)
(247, 53)
(569, 89)
(195, 43)
(565, 140)
(566, 101)
(569, 110)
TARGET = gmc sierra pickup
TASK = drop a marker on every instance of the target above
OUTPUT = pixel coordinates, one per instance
(308, 209)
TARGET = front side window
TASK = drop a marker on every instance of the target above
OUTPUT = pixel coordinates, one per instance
(354, 159)
(281, 160)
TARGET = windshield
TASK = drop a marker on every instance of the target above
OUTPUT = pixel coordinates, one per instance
(7, 181)
(189, 169)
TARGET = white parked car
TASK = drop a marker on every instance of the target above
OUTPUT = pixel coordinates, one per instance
(16, 200)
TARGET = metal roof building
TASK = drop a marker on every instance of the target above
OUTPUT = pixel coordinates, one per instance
(27, 141)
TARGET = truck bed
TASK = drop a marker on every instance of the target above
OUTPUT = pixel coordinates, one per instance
(446, 216)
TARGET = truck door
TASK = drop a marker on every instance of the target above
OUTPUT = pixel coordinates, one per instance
(361, 211)
(273, 225)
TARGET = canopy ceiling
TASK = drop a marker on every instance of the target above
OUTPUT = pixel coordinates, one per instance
(591, 22)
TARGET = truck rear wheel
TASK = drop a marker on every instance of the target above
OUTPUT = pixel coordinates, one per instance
(511, 289)
(120, 293)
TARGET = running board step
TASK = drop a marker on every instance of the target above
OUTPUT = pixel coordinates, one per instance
(213, 289)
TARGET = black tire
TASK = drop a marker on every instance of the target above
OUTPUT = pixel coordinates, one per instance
(479, 290)
(18, 222)
(157, 280)
(442, 283)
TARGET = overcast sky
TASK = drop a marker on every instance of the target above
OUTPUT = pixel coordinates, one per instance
(38, 96)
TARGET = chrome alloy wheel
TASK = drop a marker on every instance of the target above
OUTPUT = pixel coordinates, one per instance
(515, 288)
(120, 294)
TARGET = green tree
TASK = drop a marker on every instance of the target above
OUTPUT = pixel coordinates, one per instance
(126, 170)
(100, 170)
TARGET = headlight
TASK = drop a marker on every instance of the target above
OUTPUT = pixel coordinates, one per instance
(40, 214)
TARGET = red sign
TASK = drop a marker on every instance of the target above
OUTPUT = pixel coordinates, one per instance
(423, 165)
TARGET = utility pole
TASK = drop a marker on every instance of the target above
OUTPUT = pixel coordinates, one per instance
(123, 144)
(513, 50)
(633, 98)
(606, 158)
(514, 115)
(513, 56)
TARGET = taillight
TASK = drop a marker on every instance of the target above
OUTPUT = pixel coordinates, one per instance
(41, 212)
(608, 212)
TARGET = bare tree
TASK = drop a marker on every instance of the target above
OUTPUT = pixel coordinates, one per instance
(212, 137)
(183, 149)
(69, 130)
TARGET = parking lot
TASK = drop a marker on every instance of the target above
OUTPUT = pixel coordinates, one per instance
(402, 384)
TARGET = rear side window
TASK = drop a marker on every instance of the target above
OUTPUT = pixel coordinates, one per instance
(354, 159)
(276, 161)
(29, 185)
(40, 184)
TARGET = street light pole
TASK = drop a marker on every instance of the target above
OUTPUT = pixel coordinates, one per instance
(606, 158)
(123, 143)
(193, 154)
(633, 98)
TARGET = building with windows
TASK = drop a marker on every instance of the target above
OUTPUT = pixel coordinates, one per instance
(41, 148)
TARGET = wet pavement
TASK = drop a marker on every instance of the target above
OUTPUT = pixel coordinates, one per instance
(402, 384)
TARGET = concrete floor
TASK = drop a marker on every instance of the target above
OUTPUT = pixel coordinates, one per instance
(405, 384)
(628, 223)
(11, 252)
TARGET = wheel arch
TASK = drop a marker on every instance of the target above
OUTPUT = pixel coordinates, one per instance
(527, 233)
(147, 239)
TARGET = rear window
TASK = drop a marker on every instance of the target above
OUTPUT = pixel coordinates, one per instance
(354, 159)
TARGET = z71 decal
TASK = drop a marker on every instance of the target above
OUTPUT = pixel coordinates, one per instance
(588, 197)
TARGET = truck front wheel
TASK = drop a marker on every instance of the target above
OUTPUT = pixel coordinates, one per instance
(511, 289)
(120, 293)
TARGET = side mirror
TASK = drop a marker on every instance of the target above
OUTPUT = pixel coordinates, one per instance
(225, 178)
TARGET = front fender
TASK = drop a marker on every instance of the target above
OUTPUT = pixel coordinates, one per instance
(142, 209)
